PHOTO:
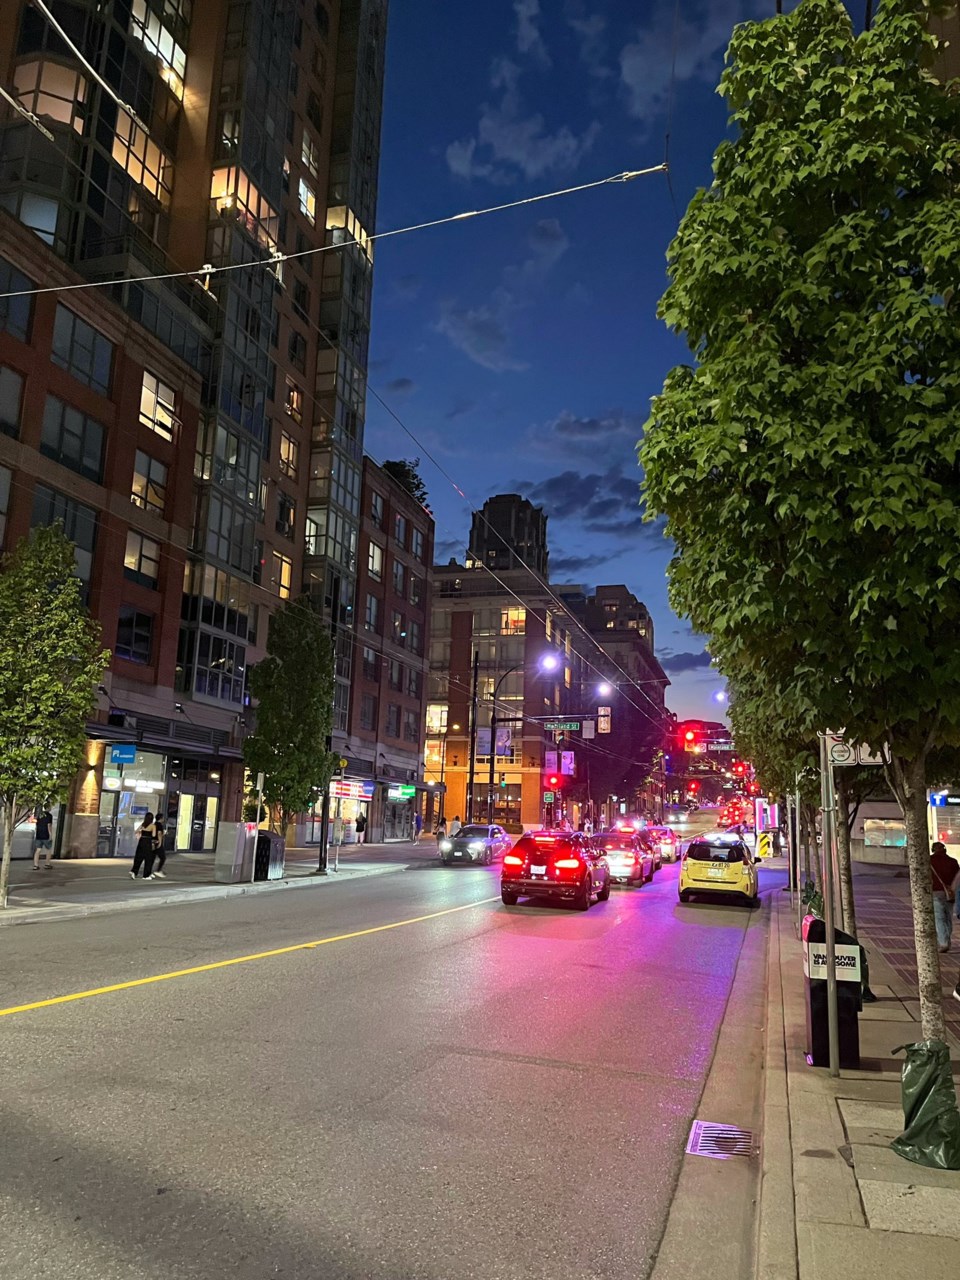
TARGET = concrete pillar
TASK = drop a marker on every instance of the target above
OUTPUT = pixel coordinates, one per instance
(83, 817)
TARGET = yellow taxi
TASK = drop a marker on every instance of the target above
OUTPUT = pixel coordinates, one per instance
(719, 864)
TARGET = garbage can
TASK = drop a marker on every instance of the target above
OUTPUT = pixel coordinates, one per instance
(815, 990)
(268, 860)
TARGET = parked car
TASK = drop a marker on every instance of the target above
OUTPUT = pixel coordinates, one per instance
(719, 864)
(475, 843)
(565, 866)
(630, 860)
(666, 842)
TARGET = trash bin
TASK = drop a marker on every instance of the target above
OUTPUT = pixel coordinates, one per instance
(233, 858)
(268, 860)
(815, 991)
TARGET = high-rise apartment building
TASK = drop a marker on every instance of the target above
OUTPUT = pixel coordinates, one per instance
(509, 532)
(200, 434)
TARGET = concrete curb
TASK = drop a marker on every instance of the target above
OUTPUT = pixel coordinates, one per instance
(176, 897)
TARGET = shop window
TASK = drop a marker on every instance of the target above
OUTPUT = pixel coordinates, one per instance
(79, 524)
(376, 509)
(81, 350)
(307, 200)
(310, 153)
(53, 91)
(134, 634)
(149, 483)
(416, 543)
(399, 578)
(289, 456)
(393, 721)
(72, 439)
(375, 561)
(371, 615)
(369, 663)
(4, 500)
(14, 312)
(282, 575)
(141, 560)
(368, 711)
(11, 397)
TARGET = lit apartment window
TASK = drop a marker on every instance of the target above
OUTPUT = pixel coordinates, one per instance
(50, 90)
(137, 153)
(282, 575)
(346, 226)
(310, 153)
(141, 560)
(158, 404)
(289, 455)
(234, 194)
(308, 202)
(146, 26)
(513, 622)
(149, 483)
(375, 561)
(294, 401)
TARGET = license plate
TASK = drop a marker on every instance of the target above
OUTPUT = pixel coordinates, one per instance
(717, 873)
(538, 871)
(458, 853)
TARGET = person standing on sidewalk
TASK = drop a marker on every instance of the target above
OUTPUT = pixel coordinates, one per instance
(946, 875)
(143, 857)
(417, 826)
(42, 838)
(361, 827)
(159, 839)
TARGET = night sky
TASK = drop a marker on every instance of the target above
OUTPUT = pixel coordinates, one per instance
(523, 348)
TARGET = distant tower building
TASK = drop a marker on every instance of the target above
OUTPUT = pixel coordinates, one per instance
(509, 532)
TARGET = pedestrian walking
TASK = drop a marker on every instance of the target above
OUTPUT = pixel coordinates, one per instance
(455, 826)
(42, 838)
(143, 857)
(946, 875)
(361, 827)
(441, 829)
(159, 841)
(417, 826)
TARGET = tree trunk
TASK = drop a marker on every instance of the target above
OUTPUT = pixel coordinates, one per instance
(848, 911)
(7, 835)
(911, 788)
(811, 852)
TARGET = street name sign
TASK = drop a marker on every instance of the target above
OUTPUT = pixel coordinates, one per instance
(562, 726)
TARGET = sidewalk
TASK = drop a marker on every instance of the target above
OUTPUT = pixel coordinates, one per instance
(834, 1199)
(78, 887)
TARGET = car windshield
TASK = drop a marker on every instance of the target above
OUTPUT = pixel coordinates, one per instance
(617, 839)
(721, 851)
(476, 833)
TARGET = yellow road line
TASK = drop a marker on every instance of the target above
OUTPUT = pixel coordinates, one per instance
(226, 964)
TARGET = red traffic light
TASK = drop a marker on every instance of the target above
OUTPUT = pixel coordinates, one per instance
(553, 780)
(740, 769)
(693, 786)
(690, 736)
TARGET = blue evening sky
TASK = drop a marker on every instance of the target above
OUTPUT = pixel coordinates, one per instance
(523, 348)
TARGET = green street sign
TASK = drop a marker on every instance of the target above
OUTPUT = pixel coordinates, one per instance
(562, 726)
(548, 797)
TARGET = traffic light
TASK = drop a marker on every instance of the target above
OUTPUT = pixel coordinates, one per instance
(503, 780)
(690, 736)
(693, 787)
(740, 769)
(553, 781)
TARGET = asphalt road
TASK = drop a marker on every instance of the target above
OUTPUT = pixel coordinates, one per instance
(484, 1093)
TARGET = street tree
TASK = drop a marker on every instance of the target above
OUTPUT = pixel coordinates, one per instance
(808, 464)
(51, 663)
(293, 687)
(406, 472)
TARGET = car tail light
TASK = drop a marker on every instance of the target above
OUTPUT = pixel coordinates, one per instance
(567, 864)
(511, 860)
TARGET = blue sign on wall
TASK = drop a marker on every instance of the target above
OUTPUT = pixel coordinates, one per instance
(123, 753)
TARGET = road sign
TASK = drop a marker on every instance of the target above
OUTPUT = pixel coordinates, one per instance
(603, 719)
(562, 726)
(344, 762)
(866, 756)
(548, 797)
(840, 752)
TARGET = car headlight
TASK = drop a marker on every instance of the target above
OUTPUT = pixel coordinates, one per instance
(445, 846)
(476, 846)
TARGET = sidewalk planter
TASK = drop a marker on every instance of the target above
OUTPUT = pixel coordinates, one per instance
(931, 1134)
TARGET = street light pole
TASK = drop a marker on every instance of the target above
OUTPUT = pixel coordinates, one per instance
(473, 735)
(493, 737)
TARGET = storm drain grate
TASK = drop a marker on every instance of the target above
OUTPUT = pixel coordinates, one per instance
(719, 1141)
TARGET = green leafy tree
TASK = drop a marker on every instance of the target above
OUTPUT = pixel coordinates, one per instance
(293, 687)
(809, 463)
(50, 665)
(406, 472)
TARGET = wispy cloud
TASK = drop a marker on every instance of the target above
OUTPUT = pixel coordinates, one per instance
(401, 386)
(529, 39)
(480, 333)
(675, 663)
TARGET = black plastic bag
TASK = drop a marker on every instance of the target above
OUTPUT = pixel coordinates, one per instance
(931, 1134)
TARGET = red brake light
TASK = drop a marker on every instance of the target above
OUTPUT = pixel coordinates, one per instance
(567, 864)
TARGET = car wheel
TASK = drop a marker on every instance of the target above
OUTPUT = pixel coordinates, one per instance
(650, 876)
(582, 900)
(604, 893)
(684, 895)
(754, 901)
(636, 882)
(508, 899)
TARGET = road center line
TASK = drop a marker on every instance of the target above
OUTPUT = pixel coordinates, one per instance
(226, 964)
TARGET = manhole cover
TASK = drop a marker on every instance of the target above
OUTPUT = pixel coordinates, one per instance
(719, 1141)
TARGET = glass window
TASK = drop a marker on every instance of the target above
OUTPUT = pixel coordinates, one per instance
(400, 530)
(308, 202)
(147, 27)
(4, 500)
(220, 668)
(158, 406)
(149, 483)
(294, 401)
(297, 350)
(282, 575)
(71, 438)
(79, 524)
(310, 153)
(141, 560)
(416, 543)
(289, 455)
(395, 677)
(416, 638)
(375, 561)
(513, 622)
(134, 634)
(393, 721)
(234, 195)
(414, 682)
(52, 90)
(369, 663)
(376, 509)
(437, 717)
(399, 578)
(411, 726)
(286, 514)
(398, 626)
(416, 590)
(371, 615)
(78, 348)
(137, 154)
(14, 312)
(11, 396)
(368, 711)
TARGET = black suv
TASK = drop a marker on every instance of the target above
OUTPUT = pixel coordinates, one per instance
(564, 865)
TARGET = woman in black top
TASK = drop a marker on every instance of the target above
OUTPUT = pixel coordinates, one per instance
(144, 855)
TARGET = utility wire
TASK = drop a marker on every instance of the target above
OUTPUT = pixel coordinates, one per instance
(671, 95)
